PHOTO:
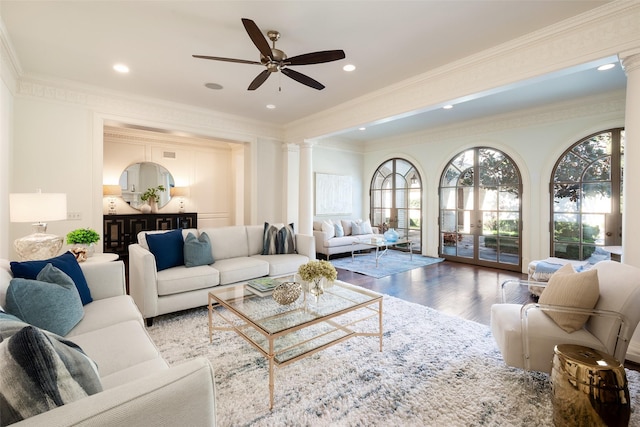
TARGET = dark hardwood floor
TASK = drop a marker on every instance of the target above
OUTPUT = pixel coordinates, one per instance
(458, 289)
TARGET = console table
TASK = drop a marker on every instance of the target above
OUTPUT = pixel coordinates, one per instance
(122, 230)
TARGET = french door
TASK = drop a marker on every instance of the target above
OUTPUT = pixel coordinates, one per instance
(480, 209)
(395, 195)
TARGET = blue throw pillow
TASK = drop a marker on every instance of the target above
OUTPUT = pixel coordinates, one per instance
(51, 302)
(167, 248)
(197, 251)
(339, 231)
(356, 228)
(66, 262)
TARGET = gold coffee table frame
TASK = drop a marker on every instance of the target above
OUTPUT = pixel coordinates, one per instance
(285, 334)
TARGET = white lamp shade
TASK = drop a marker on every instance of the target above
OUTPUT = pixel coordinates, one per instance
(179, 191)
(37, 207)
(111, 190)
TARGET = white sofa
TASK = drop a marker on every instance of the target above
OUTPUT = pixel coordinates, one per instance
(237, 258)
(139, 388)
(327, 243)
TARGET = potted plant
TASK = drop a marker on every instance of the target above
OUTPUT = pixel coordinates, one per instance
(83, 238)
(150, 197)
(313, 272)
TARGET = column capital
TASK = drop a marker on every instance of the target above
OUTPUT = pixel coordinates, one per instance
(308, 143)
(630, 60)
(290, 147)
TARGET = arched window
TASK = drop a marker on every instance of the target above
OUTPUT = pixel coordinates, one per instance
(586, 196)
(480, 209)
(396, 195)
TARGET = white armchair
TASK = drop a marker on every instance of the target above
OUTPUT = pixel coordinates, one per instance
(526, 336)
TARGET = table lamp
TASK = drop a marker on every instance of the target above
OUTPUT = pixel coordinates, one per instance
(112, 191)
(181, 193)
(36, 208)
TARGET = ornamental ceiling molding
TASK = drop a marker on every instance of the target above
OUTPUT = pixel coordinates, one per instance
(9, 66)
(609, 105)
(146, 136)
(140, 108)
(599, 33)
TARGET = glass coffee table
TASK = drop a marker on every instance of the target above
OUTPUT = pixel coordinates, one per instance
(381, 247)
(287, 333)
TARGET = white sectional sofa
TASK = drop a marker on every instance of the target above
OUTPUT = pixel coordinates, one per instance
(139, 388)
(237, 255)
(329, 243)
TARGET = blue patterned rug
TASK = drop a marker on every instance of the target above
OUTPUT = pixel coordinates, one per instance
(390, 263)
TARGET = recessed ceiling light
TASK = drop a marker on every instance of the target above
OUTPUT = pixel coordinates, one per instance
(606, 67)
(362, 128)
(448, 107)
(271, 106)
(349, 67)
(121, 68)
(214, 86)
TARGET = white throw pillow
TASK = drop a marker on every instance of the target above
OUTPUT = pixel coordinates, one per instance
(571, 289)
(366, 227)
(327, 227)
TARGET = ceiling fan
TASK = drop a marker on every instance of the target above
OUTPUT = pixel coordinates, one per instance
(276, 60)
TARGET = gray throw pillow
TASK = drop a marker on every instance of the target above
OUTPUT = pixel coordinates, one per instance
(40, 371)
(50, 302)
(197, 251)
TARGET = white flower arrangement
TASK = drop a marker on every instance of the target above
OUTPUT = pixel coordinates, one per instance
(316, 269)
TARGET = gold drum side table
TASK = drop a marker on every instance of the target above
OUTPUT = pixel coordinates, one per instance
(589, 388)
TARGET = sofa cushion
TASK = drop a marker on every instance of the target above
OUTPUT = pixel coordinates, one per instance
(571, 289)
(346, 226)
(242, 268)
(51, 302)
(280, 265)
(142, 236)
(66, 262)
(182, 279)
(197, 250)
(228, 242)
(40, 371)
(118, 346)
(105, 312)
(167, 248)
(286, 240)
(338, 230)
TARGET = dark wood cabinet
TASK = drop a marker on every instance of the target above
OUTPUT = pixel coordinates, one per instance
(122, 230)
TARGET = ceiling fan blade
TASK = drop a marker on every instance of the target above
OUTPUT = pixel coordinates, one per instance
(217, 58)
(316, 57)
(260, 78)
(301, 78)
(257, 38)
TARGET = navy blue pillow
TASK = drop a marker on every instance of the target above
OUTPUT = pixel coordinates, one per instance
(66, 262)
(167, 248)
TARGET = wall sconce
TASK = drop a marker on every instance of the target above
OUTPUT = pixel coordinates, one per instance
(112, 191)
(181, 193)
(36, 208)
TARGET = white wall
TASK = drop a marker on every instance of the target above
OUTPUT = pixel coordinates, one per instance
(6, 126)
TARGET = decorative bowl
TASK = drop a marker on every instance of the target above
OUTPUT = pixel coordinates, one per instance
(287, 292)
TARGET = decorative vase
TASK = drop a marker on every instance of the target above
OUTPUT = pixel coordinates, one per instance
(391, 235)
(153, 204)
(145, 208)
(316, 287)
(287, 292)
(88, 249)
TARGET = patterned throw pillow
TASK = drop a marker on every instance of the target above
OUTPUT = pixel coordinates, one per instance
(40, 371)
(269, 239)
(51, 302)
(197, 251)
(278, 240)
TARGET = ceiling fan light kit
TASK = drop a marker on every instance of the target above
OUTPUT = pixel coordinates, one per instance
(275, 60)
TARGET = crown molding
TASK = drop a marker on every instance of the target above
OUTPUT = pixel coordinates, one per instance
(596, 34)
(138, 108)
(10, 67)
(611, 104)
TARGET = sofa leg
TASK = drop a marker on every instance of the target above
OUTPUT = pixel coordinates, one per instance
(149, 321)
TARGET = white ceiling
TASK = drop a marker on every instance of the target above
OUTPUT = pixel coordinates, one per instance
(388, 41)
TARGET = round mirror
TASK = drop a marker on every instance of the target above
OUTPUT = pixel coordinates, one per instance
(140, 177)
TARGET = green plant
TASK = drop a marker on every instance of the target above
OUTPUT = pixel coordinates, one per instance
(84, 236)
(152, 193)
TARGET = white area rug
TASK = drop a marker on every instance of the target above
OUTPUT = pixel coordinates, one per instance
(435, 370)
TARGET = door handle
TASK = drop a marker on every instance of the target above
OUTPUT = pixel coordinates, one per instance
(609, 234)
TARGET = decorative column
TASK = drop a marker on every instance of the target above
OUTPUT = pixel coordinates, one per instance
(306, 188)
(631, 182)
(291, 183)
